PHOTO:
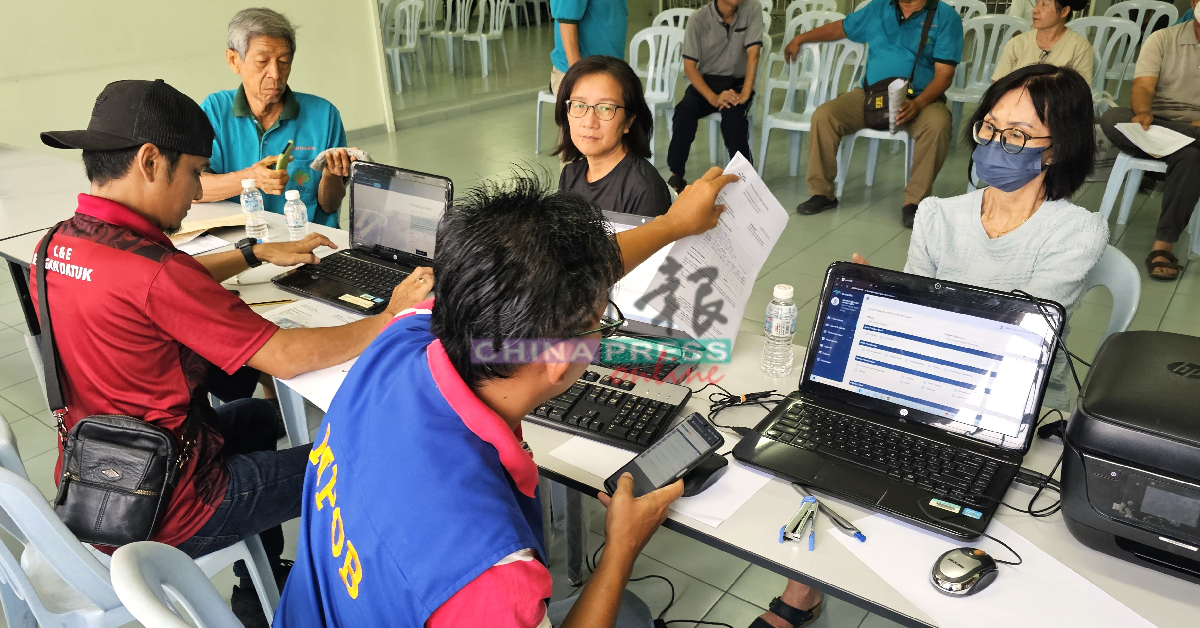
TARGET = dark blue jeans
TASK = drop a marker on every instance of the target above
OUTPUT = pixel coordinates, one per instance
(265, 485)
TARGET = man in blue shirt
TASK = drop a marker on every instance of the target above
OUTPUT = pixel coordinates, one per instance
(584, 28)
(892, 31)
(255, 122)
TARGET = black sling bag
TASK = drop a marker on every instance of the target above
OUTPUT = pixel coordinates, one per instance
(117, 471)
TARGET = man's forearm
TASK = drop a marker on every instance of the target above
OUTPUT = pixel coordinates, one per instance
(600, 600)
(291, 352)
(933, 91)
(1141, 98)
(693, 74)
(638, 244)
(330, 193)
(570, 41)
(751, 71)
(224, 265)
(218, 187)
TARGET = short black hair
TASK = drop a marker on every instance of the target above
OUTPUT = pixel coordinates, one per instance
(1063, 102)
(637, 140)
(102, 166)
(516, 261)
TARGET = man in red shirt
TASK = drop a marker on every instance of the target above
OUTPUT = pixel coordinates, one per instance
(138, 323)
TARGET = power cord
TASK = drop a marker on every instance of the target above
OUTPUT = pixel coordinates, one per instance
(1062, 345)
(659, 621)
(723, 400)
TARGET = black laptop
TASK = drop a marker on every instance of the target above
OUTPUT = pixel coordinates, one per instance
(394, 215)
(918, 397)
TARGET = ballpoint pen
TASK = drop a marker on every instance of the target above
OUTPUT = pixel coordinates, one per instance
(841, 522)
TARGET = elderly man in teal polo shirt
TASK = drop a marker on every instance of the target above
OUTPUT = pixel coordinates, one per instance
(254, 123)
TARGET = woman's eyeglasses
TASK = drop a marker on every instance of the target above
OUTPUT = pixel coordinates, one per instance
(1011, 140)
(604, 111)
(613, 320)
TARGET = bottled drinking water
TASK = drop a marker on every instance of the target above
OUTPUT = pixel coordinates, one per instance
(780, 326)
(252, 204)
(296, 215)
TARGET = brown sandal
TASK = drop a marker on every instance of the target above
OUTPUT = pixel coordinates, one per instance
(1154, 262)
(792, 615)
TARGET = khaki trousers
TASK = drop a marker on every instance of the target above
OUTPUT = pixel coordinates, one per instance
(556, 78)
(844, 115)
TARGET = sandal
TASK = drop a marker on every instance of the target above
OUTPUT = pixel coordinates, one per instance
(1154, 262)
(792, 615)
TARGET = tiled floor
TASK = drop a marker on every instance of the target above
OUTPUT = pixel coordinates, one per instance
(709, 584)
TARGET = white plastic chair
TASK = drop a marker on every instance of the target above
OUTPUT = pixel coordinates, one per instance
(1108, 36)
(524, 7)
(835, 61)
(1118, 273)
(1136, 11)
(386, 7)
(968, 9)
(989, 34)
(405, 42)
(776, 74)
(429, 18)
(673, 17)
(492, 13)
(148, 576)
(58, 581)
(453, 29)
(715, 141)
(862, 4)
(1127, 175)
(663, 63)
(846, 150)
(544, 97)
(767, 5)
(798, 7)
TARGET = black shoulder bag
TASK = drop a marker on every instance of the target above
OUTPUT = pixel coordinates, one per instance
(117, 471)
(875, 106)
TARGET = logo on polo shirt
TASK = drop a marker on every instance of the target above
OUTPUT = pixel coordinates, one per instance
(58, 263)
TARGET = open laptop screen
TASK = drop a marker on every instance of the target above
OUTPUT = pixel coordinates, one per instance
(396, 210)
(966, 360)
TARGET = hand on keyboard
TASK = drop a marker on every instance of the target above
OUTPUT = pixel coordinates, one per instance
(411, 291)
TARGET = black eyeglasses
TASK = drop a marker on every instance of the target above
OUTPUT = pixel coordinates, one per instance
(604, 111)
(1011, 140)
(611, 323)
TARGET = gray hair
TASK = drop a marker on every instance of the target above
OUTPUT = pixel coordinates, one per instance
(256, 22)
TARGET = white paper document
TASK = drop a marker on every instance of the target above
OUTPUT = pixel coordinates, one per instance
(310, 313)
(320, 386)
(1039, 593)
(712, 507)
(1158, 141)
(201, 244)
(896, 97)
(705, 281)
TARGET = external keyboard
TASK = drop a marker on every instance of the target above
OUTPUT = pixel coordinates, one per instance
(376, 279)
(934, 466)
(657, 372)
(612, 408)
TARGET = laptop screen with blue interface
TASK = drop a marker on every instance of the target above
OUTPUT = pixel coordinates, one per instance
(977, 370)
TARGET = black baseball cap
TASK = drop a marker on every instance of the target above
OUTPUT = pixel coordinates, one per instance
(132, 113)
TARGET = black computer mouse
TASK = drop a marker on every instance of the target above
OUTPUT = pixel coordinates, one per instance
(963, 571)
(704, 475)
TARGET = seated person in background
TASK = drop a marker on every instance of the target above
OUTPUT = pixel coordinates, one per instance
(892, 30)
(421, 505)
(1166, 93)
(1050, 41)
(138, 336)
(1034, 143)
(720, 58)
(605, 130)
(254, 123)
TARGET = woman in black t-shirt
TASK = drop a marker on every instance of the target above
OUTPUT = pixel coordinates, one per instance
(605, 138)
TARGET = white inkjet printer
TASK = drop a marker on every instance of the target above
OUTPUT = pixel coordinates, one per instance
(1131, 461)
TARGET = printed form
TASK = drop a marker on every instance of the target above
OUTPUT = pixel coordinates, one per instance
(714, 272)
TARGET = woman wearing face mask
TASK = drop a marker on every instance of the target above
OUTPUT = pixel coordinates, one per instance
(1034, 143)
(1050, 41)
(605, 129)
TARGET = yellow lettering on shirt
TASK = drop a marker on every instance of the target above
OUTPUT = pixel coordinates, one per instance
(351, 571)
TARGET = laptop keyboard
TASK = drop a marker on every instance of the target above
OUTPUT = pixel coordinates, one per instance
(934, 466)
(376, 279)
(605, 406)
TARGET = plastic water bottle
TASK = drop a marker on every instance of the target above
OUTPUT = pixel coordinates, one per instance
(296, 215)
(780, 326)
(252, 204)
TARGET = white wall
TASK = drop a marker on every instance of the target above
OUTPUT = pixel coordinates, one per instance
(56, 56)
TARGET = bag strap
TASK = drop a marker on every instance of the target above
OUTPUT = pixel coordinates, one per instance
(50, 363)
(930, 10)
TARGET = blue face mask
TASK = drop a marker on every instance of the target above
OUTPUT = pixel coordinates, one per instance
(1005, 171)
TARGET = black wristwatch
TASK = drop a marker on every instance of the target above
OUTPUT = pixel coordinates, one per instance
(246, 246)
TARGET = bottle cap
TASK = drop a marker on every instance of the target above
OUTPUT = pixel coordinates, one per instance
(783, 291)
(292, 195)
(248, 183)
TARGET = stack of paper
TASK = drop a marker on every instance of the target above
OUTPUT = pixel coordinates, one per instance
(201, 244)
(310, 313)
(1157, 142)
(190, 230)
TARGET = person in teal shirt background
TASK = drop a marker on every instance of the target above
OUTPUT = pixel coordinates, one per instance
(254, 123)
(584, 28)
